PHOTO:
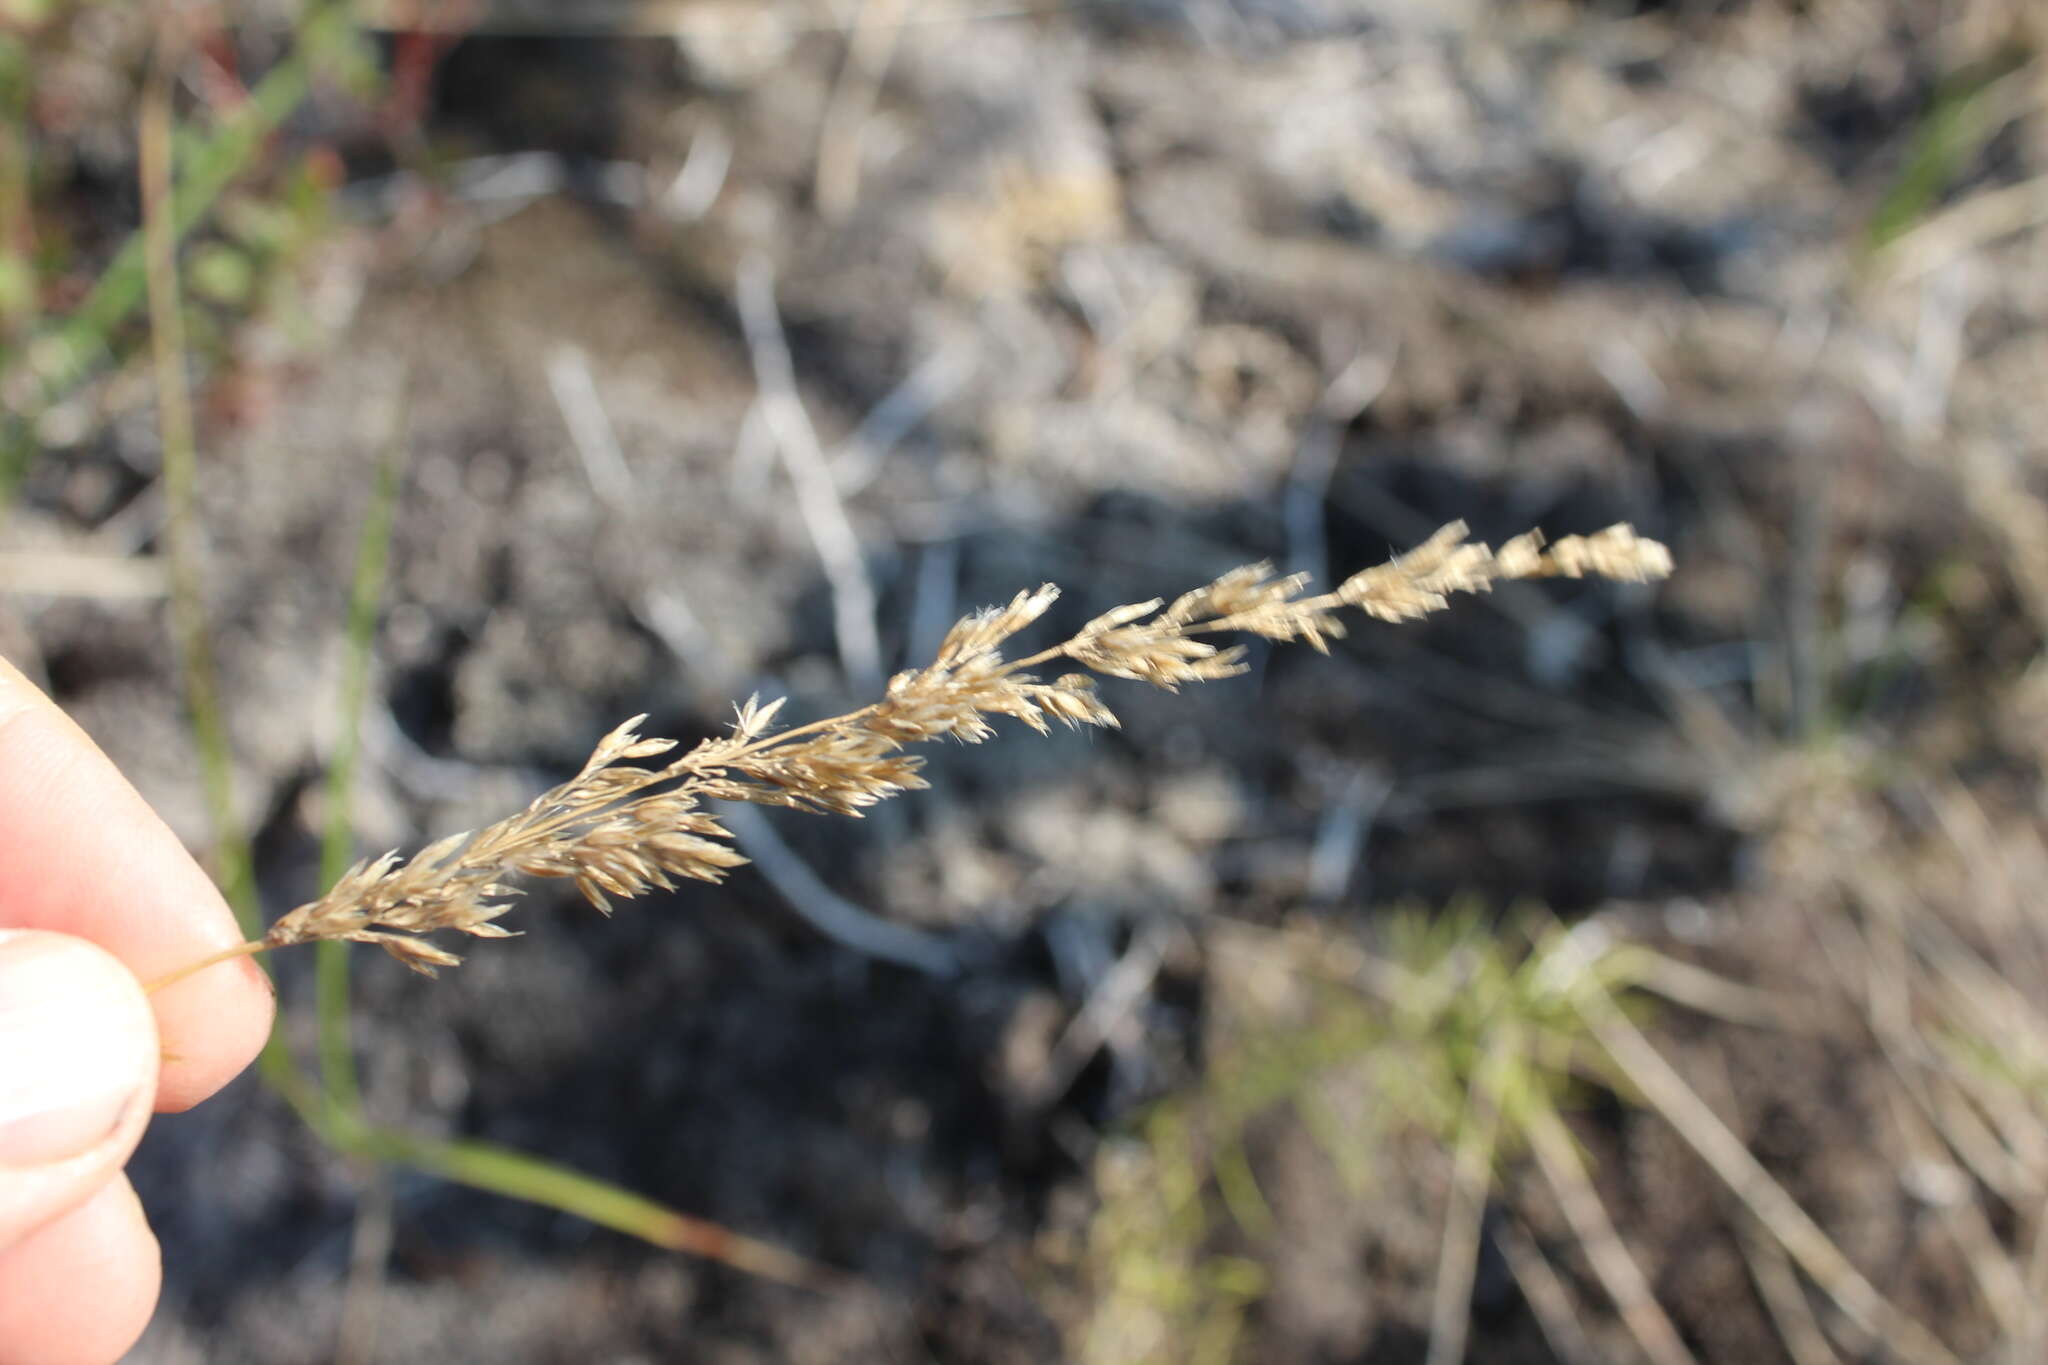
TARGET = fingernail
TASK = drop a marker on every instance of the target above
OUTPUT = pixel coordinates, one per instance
(76, 1044)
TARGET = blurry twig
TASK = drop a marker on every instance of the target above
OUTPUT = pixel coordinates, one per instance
(1344, 400)
(58, 573)
(1632, 377)
(824, 909)
(1341, 835)
(1931, 1177)
(370, 1249)
(664, 610)
(824, 516)
(1472, 1156)
(870, 46)
(1948, 299)
(590, 429)
(1712, 994)
(19, 301)
(2028, 1345)
(1111, 1003)
(934, 605)
(696, 187)
(1778, 1286)
(899, 412)
(1545, 1293)
(1785, 1300)
(1557, 1156)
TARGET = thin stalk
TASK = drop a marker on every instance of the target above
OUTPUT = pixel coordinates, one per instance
(1557, 1156)
(340, 1089)
(233, 865)
(338, 1077)
(248, 949)
(515, 1175)
(500, 1170)
(1472, 1157)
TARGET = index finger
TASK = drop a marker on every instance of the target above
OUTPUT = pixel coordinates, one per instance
(82, 853)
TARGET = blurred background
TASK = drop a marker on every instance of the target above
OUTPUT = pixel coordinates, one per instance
(1584, 974)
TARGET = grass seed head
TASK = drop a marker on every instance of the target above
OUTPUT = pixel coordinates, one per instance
(620, 828)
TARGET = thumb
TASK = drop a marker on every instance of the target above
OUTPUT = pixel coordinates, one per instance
(78, 1065)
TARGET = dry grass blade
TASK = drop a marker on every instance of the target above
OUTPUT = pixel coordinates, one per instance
(1464, 1218)
(2029, 1343)
(1944, 1189)
(817, 497)
(1785, 1301)
(1792, 1227)
(1558, 1158)
(635, 818)
(1546, 1295)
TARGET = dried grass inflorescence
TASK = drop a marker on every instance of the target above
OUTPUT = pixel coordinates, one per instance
(624, 825)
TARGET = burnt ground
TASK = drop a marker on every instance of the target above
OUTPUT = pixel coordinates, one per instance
(1120, 297)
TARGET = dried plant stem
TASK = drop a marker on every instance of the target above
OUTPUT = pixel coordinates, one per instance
(1790, 1225)
(624, 825)
(1784, 1299)
(249, 949)
(1472, 1157)
(1544, 1291)
(1557, 1156)
(817, 496)
(830, 913)
(2027, 1345)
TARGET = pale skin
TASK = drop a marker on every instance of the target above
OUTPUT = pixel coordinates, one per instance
(97, 896)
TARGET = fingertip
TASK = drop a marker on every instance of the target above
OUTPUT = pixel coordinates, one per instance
(213, 1024)
(78, 1070)
(81, 853)
(80, 1290)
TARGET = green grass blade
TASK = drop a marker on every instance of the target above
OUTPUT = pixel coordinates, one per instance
(233, 864)
(70, 349)
(339, 1084)
(1963, 117)
(82, 341)
(501, 1170)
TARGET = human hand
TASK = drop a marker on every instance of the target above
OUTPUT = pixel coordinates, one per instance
(96, 897)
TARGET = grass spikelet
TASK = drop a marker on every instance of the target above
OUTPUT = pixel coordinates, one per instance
(626, 824)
